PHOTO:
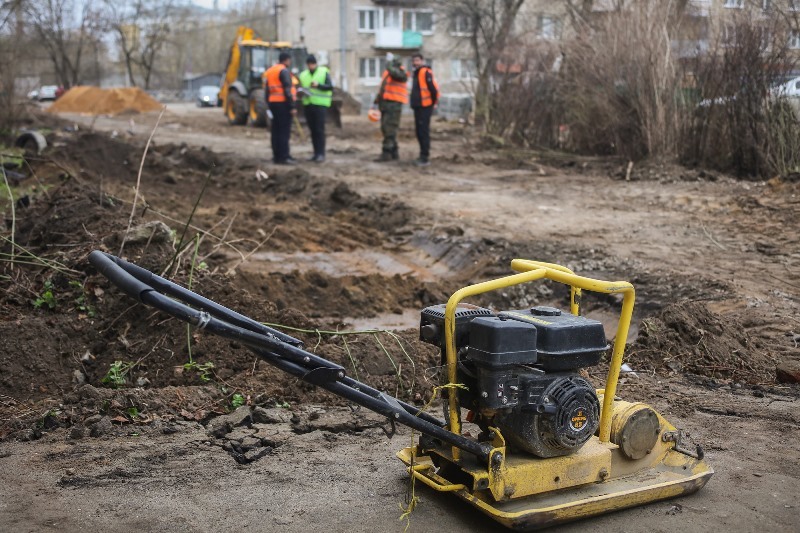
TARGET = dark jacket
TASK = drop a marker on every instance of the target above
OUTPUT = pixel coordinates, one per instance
(416, 99)
(286, 81)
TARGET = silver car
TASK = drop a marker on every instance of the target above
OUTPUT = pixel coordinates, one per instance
(208, 96)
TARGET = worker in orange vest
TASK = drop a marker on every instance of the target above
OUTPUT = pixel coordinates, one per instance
(393, 93)
(281, 96)
(424, 97)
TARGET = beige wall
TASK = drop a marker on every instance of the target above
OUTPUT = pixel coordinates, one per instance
(321, 30)
(321, 35)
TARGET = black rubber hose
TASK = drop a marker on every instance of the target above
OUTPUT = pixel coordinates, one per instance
(108, 262)
(133, 280)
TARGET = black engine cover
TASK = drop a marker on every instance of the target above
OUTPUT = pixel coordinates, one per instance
(566, 415)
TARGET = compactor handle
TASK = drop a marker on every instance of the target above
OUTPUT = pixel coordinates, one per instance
(276, 348)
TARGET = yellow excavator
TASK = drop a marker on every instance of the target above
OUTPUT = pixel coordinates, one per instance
(242, 91)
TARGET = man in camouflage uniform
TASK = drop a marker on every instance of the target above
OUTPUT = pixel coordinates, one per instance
(392, 94)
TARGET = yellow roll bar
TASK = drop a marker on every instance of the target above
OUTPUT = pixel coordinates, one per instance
(531, 271)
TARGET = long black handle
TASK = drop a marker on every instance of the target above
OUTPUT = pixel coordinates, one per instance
(277, 348)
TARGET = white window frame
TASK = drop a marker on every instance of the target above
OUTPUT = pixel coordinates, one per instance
(455, 32)
(555, 27)
(378, 70)
(794, 39)
(728, 35)
(382, 19)
(413, 14)
(700, 8)
(733, 4)
(376, 19)
(461, 70)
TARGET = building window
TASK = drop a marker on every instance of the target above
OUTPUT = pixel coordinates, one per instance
(392, 18)
(728, 35)
(794, 40)
(419, 21)
(699, 8)
(462, 69)
(549, 27)
(734, 4)
(367, 20)
(371, 68)
(461, 24)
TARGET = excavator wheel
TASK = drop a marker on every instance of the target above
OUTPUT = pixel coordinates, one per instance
(236, 109)
(258, 109)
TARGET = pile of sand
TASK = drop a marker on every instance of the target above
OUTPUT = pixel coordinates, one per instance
(96, 101)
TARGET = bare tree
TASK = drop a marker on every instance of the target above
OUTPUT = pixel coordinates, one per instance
(66, 29)
(10, 31)
(491, 25)
(142, 29)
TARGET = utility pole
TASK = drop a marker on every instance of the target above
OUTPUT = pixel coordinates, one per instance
(343, 44)
(275, 8)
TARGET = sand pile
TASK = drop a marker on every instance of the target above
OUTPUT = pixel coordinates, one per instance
(96, 101)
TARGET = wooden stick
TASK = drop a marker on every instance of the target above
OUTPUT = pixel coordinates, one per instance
(139, 181)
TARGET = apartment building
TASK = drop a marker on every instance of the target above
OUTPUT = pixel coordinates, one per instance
(353, 37)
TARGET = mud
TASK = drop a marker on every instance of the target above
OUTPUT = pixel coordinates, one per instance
(687, 337)
(353, 245)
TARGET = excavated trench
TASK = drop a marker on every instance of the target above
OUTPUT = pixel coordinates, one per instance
(305, 254)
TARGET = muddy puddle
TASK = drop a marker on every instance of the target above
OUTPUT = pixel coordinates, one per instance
(351, 263)
(407, 319)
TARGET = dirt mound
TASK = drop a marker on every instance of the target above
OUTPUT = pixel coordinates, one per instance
(83, 325)
(687, 337)
(96, 101)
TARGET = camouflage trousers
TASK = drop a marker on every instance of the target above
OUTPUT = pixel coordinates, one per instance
(390, 123)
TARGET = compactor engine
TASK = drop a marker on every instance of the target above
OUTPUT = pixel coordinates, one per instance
(521, 372)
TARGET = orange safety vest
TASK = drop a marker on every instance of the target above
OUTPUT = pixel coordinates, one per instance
(393, 90)
(424, 90)
(273, 85)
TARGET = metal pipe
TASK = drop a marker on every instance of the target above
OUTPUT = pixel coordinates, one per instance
(343, 44)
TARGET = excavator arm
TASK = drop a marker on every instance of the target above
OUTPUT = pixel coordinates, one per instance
(234, 59)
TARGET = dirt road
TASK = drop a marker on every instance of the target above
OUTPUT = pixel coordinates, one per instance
(383, 241)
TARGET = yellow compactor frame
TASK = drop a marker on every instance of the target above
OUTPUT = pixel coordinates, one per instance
(526, 492)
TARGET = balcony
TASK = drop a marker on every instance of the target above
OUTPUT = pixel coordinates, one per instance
(397, 39)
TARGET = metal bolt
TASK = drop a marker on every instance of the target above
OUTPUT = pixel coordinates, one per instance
(603, 474)
(497, 458)
(397, 415)
(340, 374)
(306, 359)
(484, 395)
(504, 400)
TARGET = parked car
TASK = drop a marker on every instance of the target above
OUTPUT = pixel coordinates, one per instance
(47, 92)
(208, 96)
(790, 88)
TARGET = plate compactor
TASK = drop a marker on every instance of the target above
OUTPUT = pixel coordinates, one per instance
(550, 448)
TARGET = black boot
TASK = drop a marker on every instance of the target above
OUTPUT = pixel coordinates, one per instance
(395, 154)
(384, 157)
